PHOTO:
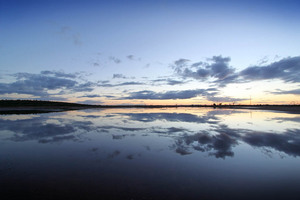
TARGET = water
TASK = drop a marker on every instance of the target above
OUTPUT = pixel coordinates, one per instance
(183, 153)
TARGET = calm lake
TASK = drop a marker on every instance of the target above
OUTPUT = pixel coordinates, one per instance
(173, 153)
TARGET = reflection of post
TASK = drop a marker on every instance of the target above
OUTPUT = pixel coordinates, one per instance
(250, 114)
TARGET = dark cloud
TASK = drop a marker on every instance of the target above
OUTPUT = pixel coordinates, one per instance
(36, 84)
(284, 119)
(288, 142)
(180, 148)
(209, 94)
(37, 129)
(132, 57)
(180, 64)
(287, 69)
(115, 60)
(217, 140)
(120, 128)
(106, 84)
(168, 81)
(56, 139)
(39, 84)
(84, 87)
(223, 99)
(91, 96)
(130, 83)
(219, 145)
(96, 64)
(147, 94)
(296, 92)
(118, 137)
(90, 102)
(197, 64)
(119, 76)
(218, 68)
(59, 74)
(172, 117)
(263, 60)
(110, 96)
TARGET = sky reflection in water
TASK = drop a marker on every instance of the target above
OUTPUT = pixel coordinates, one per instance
(151, 154)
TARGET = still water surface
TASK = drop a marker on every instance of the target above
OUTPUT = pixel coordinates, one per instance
(183, 153)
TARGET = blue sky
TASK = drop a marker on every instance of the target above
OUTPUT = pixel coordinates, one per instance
(150, 52)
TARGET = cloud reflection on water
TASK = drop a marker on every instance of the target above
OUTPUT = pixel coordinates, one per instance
(187, 131)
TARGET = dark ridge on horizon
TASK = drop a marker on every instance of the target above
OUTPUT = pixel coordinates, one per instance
(26, 103)
(40, 106)
(36, 103)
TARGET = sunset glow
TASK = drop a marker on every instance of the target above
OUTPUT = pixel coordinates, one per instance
(151, 52)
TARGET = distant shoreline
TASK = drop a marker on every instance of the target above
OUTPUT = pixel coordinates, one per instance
(32, 106)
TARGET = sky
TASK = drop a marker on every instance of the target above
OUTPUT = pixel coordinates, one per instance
(150, 52)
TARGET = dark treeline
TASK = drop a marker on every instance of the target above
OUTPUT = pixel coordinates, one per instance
(48, 105)
(37, 103)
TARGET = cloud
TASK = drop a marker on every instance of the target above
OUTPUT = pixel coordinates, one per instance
(263, 60)
(90, 102)
(296, 92)
(223, 99)
(37, 129)
(91, 96)
(219, 145)
(287, 69)
(115, 60)
(107, 84)
(95, 64)
(119, 76)
(59, 74)
(218, 68)
(284, 119)
(68, 33)
(289, 142)
(217, 139)
(120, 128)
(40, 84)
(147, 94)
(84, 87)
(133, 58)
(172, 117)
(36, 84)
(209, 94)
(180, 63)
(168, 81)
(130, 57)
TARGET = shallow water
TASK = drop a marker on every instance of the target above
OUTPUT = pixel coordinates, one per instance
(183, 153)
